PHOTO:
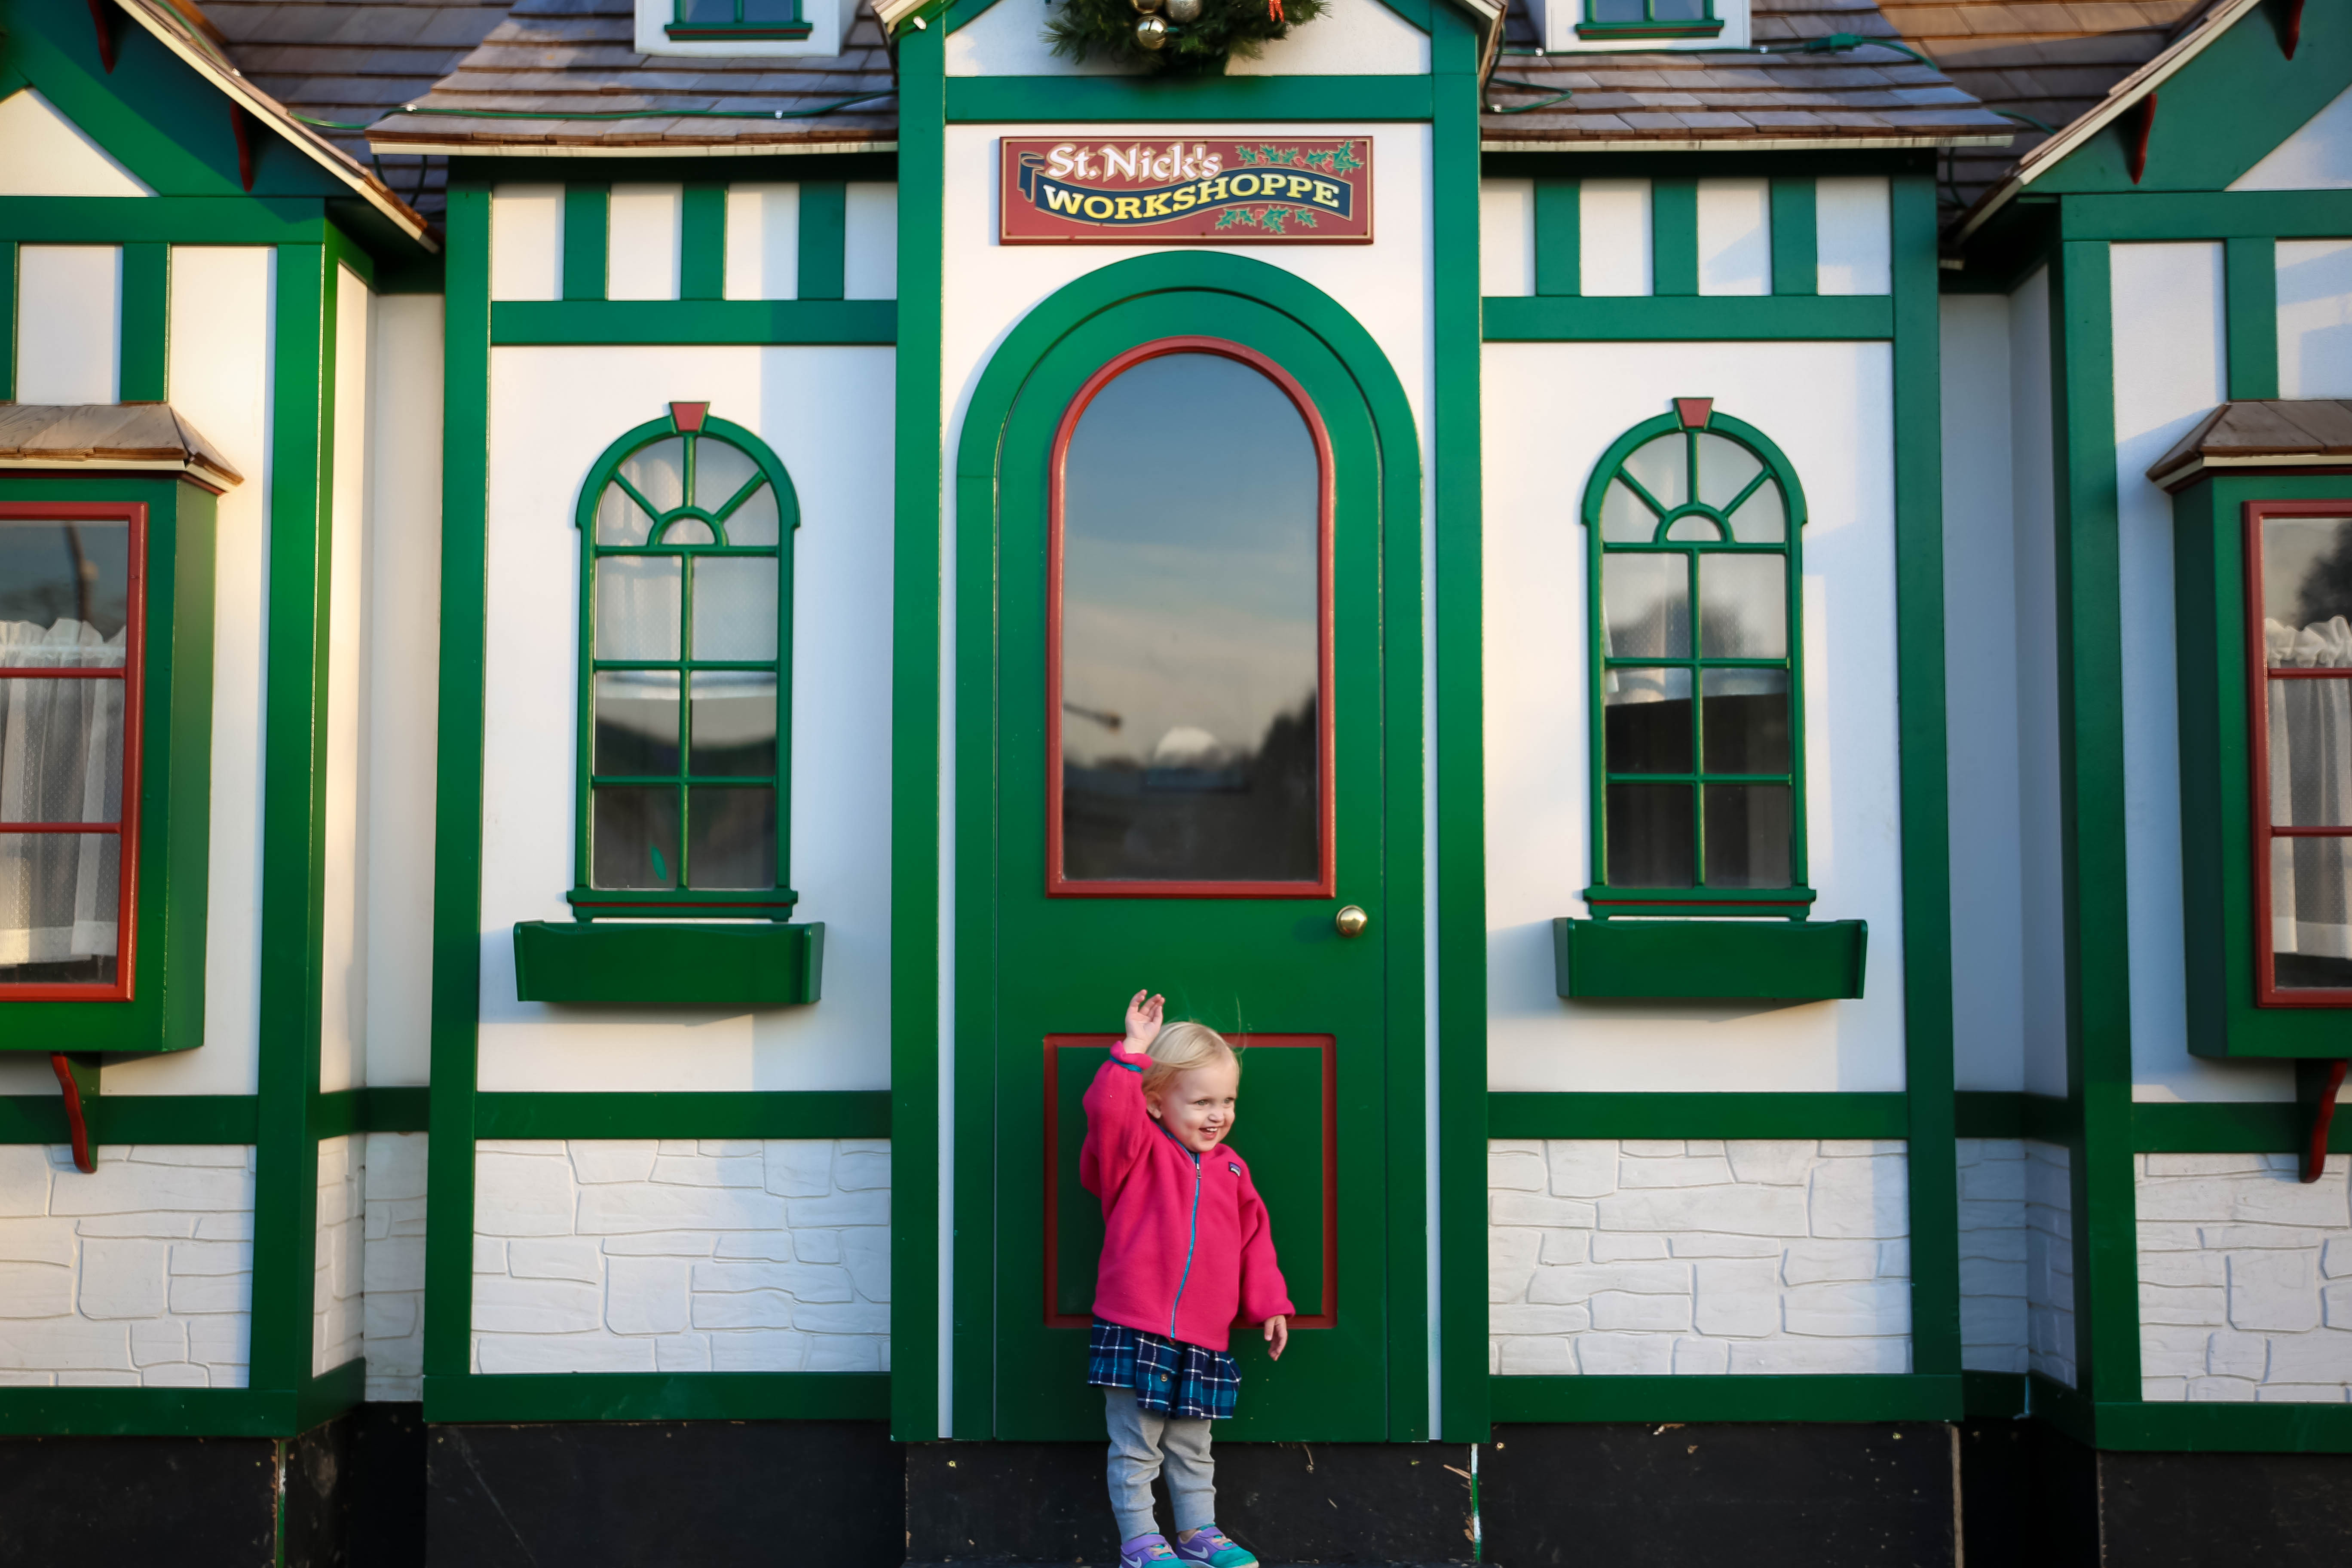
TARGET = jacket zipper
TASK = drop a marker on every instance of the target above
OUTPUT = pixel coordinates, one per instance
(1189, 1242)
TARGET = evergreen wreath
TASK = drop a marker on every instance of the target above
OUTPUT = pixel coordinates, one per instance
(1173, 37)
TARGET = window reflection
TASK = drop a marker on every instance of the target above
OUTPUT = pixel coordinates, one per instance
(1191, 630)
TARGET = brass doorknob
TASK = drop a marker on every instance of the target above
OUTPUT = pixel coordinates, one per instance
(1350, 922)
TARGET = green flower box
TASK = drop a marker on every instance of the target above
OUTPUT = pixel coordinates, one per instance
(1765, 960)
(672, 964)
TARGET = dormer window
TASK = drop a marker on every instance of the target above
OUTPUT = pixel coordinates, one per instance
(719, 20)
(1614, 19)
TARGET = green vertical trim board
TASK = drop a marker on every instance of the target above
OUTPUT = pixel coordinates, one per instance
(7, 321)
(1456, 593)
(915, 1261)
(146, 310)
(587, 233)
(825, 236)
(1559, 236)
(2250, 292)
(457, 828)
(702, 242)
(1926, 856)
(1796, 238)
(293, 784)
(1674, 237)
(2091, 852)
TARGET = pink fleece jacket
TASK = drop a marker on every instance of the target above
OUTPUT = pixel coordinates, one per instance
(1186, 1248)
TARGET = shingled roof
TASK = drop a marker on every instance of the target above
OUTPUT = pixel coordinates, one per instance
(1815, 77)
(348, 61)
(580, 58)
(2050, 61)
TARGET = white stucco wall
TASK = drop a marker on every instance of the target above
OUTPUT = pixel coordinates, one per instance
(715, 1255)
(1982, 666)
(2245, 1279)
(402, 625)
(2041, 918)
(1642, 1256)
(826, 411)
(137, 1275)
(220, 379)
(1550, 411)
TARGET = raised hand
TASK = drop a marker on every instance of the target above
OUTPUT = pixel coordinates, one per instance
(1143, 1014)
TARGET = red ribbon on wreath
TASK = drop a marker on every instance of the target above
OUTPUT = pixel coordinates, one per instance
(1274, 12)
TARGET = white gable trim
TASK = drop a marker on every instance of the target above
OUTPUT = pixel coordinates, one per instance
(43, 154)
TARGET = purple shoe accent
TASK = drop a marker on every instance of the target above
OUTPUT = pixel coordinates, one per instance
(1213, 1548)
(1144, 1549)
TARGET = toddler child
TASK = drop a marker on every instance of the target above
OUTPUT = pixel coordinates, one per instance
(1186, 1253)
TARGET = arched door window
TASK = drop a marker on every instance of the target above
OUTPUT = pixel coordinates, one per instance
(1693, 522)
(686, 602)
(1189, 636)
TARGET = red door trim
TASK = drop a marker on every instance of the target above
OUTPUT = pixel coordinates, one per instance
(134, 678)
(1057, 884)
(1330, 1046)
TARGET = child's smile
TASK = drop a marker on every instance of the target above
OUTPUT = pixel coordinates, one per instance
(1197, 1105)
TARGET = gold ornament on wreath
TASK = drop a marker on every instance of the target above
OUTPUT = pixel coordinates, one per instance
(1179, 37)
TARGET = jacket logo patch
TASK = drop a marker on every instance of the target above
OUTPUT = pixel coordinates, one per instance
(1236, 1170)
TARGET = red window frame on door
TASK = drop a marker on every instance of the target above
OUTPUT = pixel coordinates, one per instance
(1057, 884)
(131, 674)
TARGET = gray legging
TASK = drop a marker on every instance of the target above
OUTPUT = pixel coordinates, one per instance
(1139, 1440)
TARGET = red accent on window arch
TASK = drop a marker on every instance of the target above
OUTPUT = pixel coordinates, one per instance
(688, 417)
(1693, 412)
(1059, 886)
(2139, 123)
(133, 674)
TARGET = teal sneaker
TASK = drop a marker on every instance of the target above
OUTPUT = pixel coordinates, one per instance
(1213, 1548)
(1145, 1550)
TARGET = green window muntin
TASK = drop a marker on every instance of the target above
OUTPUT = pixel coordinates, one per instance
(1693, 522)
(685, 727)
(1649, 19)
(736, 19)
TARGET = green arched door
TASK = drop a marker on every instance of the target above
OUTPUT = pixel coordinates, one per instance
(1190, 707)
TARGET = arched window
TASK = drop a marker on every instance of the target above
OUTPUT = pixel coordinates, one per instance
(1694, 521)
(686, 616)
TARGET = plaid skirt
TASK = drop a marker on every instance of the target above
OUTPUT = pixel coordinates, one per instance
(1168, 1378)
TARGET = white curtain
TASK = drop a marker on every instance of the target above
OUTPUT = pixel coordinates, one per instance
(60, 761)
(2311, 785)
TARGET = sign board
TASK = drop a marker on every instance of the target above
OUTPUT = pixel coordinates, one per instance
(1263, 190)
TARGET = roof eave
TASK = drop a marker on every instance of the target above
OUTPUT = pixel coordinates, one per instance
(2120, 98)
(1701, 144)
(267, 109)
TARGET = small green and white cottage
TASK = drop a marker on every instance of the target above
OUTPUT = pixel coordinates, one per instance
(1718, 631)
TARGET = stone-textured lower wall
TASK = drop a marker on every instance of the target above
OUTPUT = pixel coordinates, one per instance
(2245, 1279)
(2049, 1262)
(1994, 1249)
(1643, 1256)
(682, 1255)
(336, 1334)
(394, 1274)
(138, 1274)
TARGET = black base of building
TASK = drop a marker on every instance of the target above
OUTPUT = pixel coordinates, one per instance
(378, 1489)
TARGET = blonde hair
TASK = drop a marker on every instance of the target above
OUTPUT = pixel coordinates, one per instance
(1181, 1048)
